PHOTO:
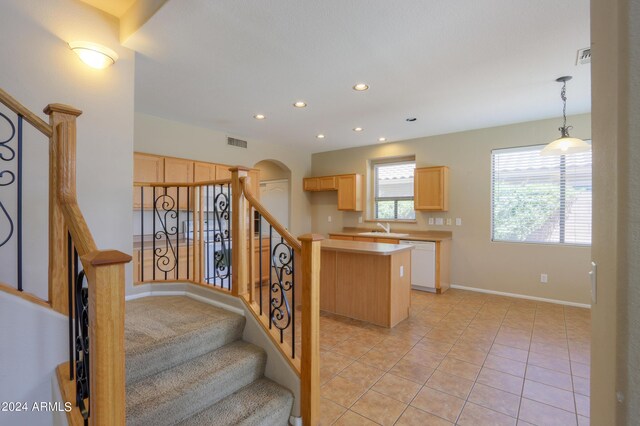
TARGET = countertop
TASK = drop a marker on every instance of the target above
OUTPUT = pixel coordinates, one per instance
(378, 249)
(412, 235)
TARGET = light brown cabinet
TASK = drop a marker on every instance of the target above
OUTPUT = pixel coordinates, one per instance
(146, 169)
(203, 172)
(144, 265)
(177, 170)
(349, 189)
(350, 192)
(431, 188)
(222, 172)
(323, 183)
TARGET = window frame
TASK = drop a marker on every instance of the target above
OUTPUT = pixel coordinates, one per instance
(560, 207)
(375, 199)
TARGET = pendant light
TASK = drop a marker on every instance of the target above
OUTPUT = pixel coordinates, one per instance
(565, 144)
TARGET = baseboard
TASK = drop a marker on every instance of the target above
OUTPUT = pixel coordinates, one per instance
(186, 293)
(522, 296)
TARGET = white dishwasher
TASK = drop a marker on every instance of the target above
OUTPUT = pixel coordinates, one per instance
(423, 265)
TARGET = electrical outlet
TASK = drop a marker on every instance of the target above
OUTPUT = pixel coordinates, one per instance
(401, 271)
(544, 278)
(439, 221)
(430, 221)
(360, 219)
(458, 221)
(329, 219)
(448, 221)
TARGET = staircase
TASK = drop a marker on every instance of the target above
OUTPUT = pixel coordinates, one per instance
(186, 364)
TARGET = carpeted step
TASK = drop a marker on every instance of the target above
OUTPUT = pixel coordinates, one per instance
(173, 395)
(262, 403)
(164, 331)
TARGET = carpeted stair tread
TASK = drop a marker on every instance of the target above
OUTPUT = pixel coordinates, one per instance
(164, 331)
(173, 395)
(262, 403)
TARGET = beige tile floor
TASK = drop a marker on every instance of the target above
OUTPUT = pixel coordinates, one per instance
(461, 358)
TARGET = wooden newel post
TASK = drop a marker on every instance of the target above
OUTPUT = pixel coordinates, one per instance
(105, 275)
(239, 234)
(310, 360)
(60, 115)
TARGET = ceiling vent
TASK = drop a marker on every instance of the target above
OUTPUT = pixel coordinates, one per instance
(236, 142)
(584, 56)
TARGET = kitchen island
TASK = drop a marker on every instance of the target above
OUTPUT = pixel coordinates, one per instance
(366, 280)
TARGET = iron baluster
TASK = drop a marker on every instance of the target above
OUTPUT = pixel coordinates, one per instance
(169, 215)
(81, 339)
(293, 303)
(282, 264)
(177, 254)
(70, 295)
(188, 208)
(260, 257)
(142, 233)
(19, 218)
(271, 265)
(153, 223)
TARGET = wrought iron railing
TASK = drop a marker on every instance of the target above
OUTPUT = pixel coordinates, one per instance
(184, 233)
(79, 355)
(11, 176)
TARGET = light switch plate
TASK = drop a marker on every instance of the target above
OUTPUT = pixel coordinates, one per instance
(448, 221)
(360, 219)
(439, 221)
(401, 271)
(329, 219)
(458, 221)
(430, 221)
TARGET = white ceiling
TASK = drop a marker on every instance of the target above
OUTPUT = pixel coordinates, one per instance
(113, 7)
(454, 65)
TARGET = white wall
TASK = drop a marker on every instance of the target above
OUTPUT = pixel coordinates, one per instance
(38, 68)
(476, 261)
(165, 137)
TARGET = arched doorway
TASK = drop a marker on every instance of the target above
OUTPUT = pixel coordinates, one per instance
(275, 189)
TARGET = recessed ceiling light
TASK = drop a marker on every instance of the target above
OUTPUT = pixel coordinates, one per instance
(358, 129)
(360, 87)
(300, 104)
(411, 119)
(382, 139)
(259, 117)
(320, 136)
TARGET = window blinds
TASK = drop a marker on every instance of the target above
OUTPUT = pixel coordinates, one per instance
(536, 199)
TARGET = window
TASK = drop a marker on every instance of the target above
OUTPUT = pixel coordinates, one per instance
(536, 199)
(393, 190)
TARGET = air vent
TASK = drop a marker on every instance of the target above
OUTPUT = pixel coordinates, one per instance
(236, 142)
(584, 56)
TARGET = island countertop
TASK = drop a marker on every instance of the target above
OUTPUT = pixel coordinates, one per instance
(380, 249)
(411, 235)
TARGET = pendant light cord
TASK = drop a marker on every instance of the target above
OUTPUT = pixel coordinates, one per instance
(563, 96)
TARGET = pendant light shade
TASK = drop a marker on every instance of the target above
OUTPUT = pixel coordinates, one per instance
(565, 144)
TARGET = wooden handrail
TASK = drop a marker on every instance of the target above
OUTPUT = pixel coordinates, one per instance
(291, 240)
(20, 109)
(181, 184)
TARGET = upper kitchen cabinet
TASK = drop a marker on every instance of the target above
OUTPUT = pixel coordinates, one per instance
(204, 172)
(222, 172)
(146, 168)
(324, 183)
(349, 192)
(431, 189)
(177, 170)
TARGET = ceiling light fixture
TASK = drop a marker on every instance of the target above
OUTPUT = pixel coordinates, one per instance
(358, 129)
(382, 139)
(93, 54)
(259, 117)
(299, 104)
(320, 136)
(565, 144)
(410, 119)
(360, 87)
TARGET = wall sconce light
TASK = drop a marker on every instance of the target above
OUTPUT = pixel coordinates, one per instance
(94, 55)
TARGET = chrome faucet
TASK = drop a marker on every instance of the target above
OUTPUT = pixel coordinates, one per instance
(387, 228)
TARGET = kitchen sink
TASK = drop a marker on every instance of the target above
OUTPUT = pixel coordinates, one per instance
(382, 234)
